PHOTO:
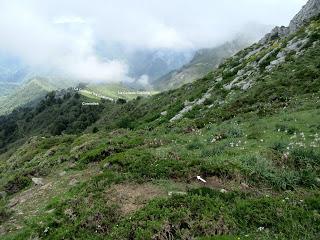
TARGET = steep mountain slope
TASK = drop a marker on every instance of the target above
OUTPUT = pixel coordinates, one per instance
(233, 155)
(204, 61)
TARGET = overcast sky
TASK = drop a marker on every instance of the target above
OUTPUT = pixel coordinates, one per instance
(62, 34)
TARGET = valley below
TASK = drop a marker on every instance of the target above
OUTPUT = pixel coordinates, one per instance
(232, 154)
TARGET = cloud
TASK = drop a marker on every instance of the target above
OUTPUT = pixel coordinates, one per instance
(69, 19)
(144, 80)
(64, 45)
(61, 36)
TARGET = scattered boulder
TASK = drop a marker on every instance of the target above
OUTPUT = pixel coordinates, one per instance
(275, 63)
(165, 113)
(176, 193)
(269, 54)
(253, 52)
(298, 45)
(244, 185)
(277, 32)
(247, 85)
(223, 191)
(37, 181)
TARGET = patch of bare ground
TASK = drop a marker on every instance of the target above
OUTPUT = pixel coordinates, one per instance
(234, 184)
(32, 202)
(132, 197)
(227, 184)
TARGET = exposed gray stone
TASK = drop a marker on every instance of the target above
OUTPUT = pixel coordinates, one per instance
(267, 56)
(296, 46)
(247, 85)
(164, 113)
(37, 181)
(253, 52)
(189, 107)
(311, 9)
(241, 72)
(281, 54)
(277, 32)
(278, 61)
(219, 79)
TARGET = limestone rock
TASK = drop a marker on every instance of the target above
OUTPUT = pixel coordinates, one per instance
(37, 181)
(277, 32)
(311, 9)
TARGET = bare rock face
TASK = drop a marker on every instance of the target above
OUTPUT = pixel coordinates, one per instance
(277, 32)
(311, 9)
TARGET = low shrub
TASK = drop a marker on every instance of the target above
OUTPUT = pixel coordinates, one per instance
(17, 183)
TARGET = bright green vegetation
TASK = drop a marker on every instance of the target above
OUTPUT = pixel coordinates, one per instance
(112, 90)
(131, 173)
(30, 92)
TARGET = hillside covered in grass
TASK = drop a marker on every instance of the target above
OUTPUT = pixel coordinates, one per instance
(128, 170)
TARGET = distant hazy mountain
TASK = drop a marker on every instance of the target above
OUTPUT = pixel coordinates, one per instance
(30, 91)
(156, 63)
(206, 60)
(151, 62)
(20, 85)
(12, 73)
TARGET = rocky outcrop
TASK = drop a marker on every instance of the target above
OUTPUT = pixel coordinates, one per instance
(310, 10)
(277, 32)
(190, 105)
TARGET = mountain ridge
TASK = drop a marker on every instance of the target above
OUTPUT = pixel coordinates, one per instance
(249, 129)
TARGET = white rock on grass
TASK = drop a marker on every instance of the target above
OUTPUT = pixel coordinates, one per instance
(247, 85)
(37, 181)
(190, 106)
(223, 191)
(164, 113)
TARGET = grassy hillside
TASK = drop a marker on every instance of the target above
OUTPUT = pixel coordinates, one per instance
(35, 89)
(30, 92)
(250, 129)
(111, 90)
